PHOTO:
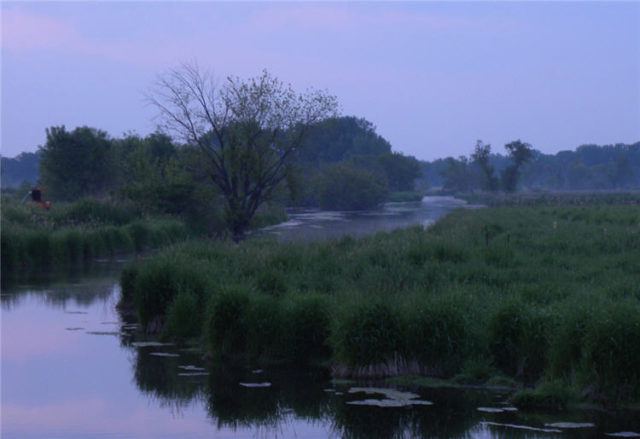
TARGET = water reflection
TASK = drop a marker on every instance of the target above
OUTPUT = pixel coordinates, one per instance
(315, 224)
(73, 367)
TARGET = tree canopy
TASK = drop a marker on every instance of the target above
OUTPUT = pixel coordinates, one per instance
(76, 163)
(247, 130)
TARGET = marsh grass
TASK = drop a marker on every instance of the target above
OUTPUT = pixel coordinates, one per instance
(70, 233)
(539, 294)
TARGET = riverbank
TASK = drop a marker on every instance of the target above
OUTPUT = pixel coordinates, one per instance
(536, 294)
(34, 239)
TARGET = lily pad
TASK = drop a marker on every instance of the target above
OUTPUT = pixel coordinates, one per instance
(490, 409)
(193, 374)
(146, 344)
(102, 333)
(570, 425)
(256, 371)
(387, 402)
(522, 427)
(624, 434)
(389, 393)
(192, 368)
(379, 402)
(163, 354)
(265, 384)
(74, 329)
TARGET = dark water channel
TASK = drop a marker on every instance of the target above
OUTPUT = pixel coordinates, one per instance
(73, 367)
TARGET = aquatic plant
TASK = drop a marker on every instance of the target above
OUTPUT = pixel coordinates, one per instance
(534, 293)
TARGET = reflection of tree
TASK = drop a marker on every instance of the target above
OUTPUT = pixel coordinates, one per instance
(159, 377)
(82, 285)
(298, 395)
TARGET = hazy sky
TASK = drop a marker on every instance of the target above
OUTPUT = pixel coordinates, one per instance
(432, 76)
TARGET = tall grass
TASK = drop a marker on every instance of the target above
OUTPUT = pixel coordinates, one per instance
(548, 294)
(69, 233)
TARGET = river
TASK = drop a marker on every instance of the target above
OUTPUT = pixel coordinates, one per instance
(73, 367)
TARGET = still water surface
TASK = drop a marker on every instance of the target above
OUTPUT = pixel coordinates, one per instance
(73, 367)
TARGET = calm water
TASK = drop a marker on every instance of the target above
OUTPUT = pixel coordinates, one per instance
(72, 367)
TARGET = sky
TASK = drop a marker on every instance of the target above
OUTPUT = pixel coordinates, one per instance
(433, 77)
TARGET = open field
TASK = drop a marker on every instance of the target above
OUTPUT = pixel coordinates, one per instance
(542, 295)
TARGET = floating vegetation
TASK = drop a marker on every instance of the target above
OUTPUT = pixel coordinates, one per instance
(257, 371)
(192, 368)
(193, 374)
(570, 425)
(624, 434)
(521, 427)
(146, 344)
(389, 393)
(265, 384)
(394, 398)
(76, 312)
(491, 409)
(102, 333)
(74, 329)
(163, 354)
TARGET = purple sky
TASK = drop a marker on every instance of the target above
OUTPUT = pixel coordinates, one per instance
(432, 76)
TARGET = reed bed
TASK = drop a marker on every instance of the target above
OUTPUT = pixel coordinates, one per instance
(537, 294)
(70, 233)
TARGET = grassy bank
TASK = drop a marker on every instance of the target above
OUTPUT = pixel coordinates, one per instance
(538, 294)
(33, 238)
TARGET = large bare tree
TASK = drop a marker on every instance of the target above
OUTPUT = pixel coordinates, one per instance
(248, 130)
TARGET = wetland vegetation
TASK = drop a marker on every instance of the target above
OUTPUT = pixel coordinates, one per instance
(545, 297)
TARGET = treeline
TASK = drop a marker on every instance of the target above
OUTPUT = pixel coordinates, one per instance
(343, 164)
(589, 167)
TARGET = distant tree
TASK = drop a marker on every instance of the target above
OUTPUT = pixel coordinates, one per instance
(400, 171)
(481, 156)
(457, 175)
(247, 130)
(76, 163)
(343, 187)
(520, 153)
(340, 138)
(23, 167)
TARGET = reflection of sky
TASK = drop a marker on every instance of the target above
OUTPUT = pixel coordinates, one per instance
(319, 224)
(62, 383)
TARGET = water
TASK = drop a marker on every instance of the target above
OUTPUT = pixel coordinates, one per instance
(314, 224)
(74, 367)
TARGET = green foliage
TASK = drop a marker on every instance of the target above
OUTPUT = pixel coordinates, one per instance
(536, 293)
(548, 394)
(71, 233)
(438, 334)
(77, 163)
(227, 323)
(367, 333)
(341, 187)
